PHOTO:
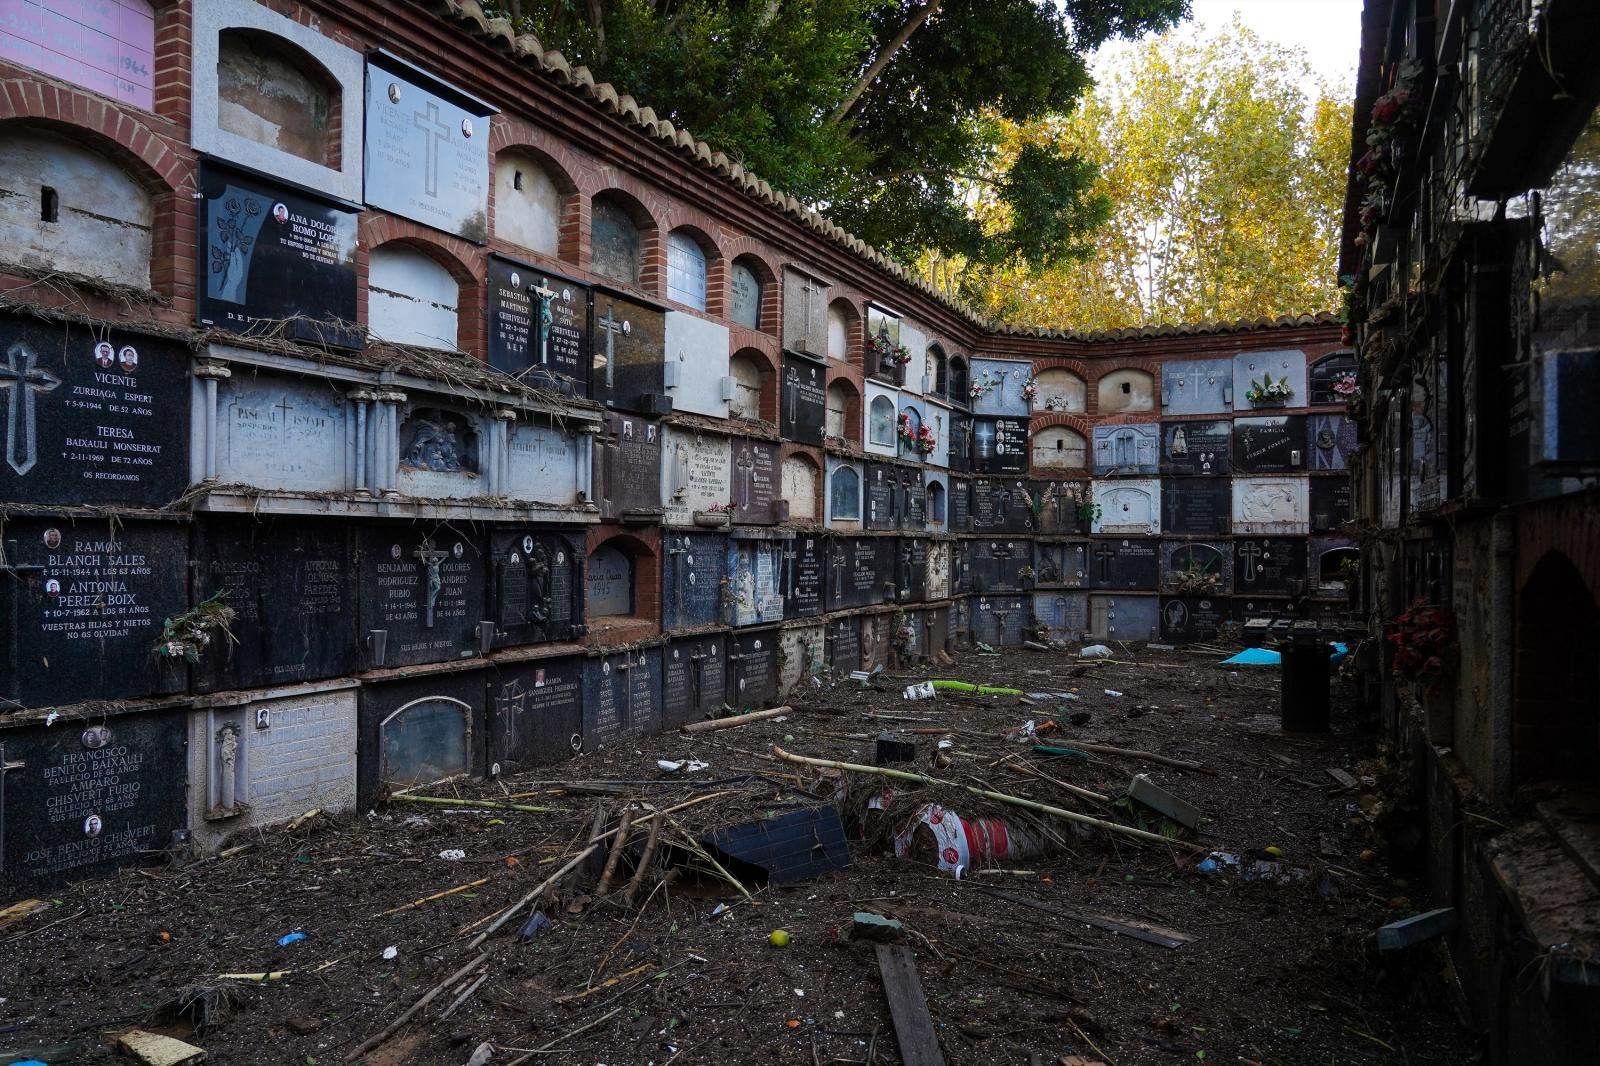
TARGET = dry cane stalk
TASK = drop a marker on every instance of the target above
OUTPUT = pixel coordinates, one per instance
(618, 845)
(644, 862)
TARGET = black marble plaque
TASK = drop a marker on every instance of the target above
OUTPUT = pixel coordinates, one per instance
(628, 464)
(1061, 564)
(844, 645)
(82, 607)
(1269, 565)
(1000, 445)
(960, 448)
(755, 481)
(1002, 505)
(1186, 619)
(1123, 563)
(960, 505)
(692, 571)
(271, 258)
(882, 496)
(753, 669)
(91, 416)
(1201, 506)
(1196, 448)
(803, 400)
(629, 345)
(82, 798)
(536, 586)
(803, 568)
(911, 570)
(1057, 505)
(913, 499)
(416, 730)
(1196, 567)
(621, 696)
(422, 589)
(694, 678)
(1331, 442)
(535, 713)
(538, 324)
(1272, 445)
(1330, 503)
(858, 571)
(291, 584)
(1000, 621)
(997, 565)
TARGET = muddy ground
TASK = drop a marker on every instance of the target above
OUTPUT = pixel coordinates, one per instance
(1279, 973)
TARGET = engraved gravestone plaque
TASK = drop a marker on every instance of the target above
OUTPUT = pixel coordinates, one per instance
(1196, 567)
(622, 696)
(883, 496)
(1000, 445)
(538, 324)
(694, 680)
(1123, 564)
(1061, 563)
(1196, 505)
(1197, 386)
(537, 586)
(1064, 615)
(535, 710)
(1330, 503)
(802, 401)
(628, 464)
(753, 669)
(692, 573)
(803, 563)
(421, 593)
(284, 432)
(844, 645)
(1196, 448)
(755, 572)
(755, 481)
(1269, 445)
(1269, 566)
(427, 156)
(960, 505)
(1186, 619)
(805, 313)
(1000, 620)
(628, 346)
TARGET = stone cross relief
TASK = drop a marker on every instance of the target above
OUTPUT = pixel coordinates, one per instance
(431, 558)
(436, 132)
(747, 466)
(1252, 553)
(22, 379)
(793, 383)
(611, 325)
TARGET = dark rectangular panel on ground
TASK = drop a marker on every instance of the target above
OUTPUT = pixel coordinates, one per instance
(81, 798)
(790, 847)
(291, 584)
(422, 588)
(418, 730)
(536, 585)
(535, 712)
(694, 678)
(691, 579)
(82, 605)
(621, 696)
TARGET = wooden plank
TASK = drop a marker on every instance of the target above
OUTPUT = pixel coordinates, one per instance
(908, 1007)
(1145, 931)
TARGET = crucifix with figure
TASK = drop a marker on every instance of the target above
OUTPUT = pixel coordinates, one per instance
(431, 558)
(544, 294)
(22, 379)
(747, 466)
(436, 131)
(611, 325)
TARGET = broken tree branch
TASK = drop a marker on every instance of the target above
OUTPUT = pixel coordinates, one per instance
(610, 982)
(469, 886)
(493, 805)
(427, 997)
(999, 797)
(618, 846)
(644, 862)
(736, 720)
(1129, 753)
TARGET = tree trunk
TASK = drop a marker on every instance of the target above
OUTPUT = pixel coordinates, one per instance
(878, 64)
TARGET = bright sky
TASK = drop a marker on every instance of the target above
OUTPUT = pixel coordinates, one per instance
(1329, 31)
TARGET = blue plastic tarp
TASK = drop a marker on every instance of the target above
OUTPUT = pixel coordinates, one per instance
(1263, 657)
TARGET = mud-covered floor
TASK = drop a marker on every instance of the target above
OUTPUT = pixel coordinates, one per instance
(1280, 972)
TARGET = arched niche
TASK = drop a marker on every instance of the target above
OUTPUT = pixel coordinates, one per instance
(800, 477)
(411, 299)
(1127, 390)
(937, 503)
(426, 740)
(844, 494)
(842, 323)
(686, 270)
(1060, 448)
(273, 93)
(938, 370)
(615, 240)
(958, 380)
(747, 377)
(527, 203)
(746, 290)
(837, 422)
(1327, 373)
(910, 421)
(65, 207)
(610, 581)
(1556, 715)
(880, 421)
(1059, 389)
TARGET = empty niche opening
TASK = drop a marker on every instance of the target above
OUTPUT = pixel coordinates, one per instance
(844, 494)
(746, 400)
(746, 294)
(411, 298)
(1060, 448)
(527, 203)
(880, 421)
(1059, 390)
(1331, 569)
(425, 741)
(611, 581)
(936, 502)
(1556, 722)
(837, 419)
(958, 380)
(278, 95)
(938, 370)
(616, 240)
(800, 486)
(440, 441)
(1126, 390)
(843, 321)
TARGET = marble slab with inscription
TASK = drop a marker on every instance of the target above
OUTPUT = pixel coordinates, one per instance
(697, 352)
(1271, 505)
(1128, 506)
(693, 566)
(291, 584)
(1001, 505)
(696, 473)
(281, 432)
(803, 656)
(1000, 621)
(1196, 506)
(1269, 565)
(1061, 563)
(1269, 444)
(535, 713)
(804, 559)
(882, 496)
(913, 509)
(1123, 563)
(755, 490)
(84, 605)
(1064, 615)
(843, 645)
(694, 678)
(543, 464)
(1196, 448)
(755, 581)
(802, 400)
(538, 324)
(628, 469)
(1000, 382)
(427, 152)
(1123, 616)
(960, 505)
(1000, 445)
(1251, 367)
(421, 586)
(1197, 386)
(1330, 503)
(1127, 449)
(753, 669)
(621, 697)
(998, 565)
(911, 569)
(443, 452)
(536, 585)
(83, 797)
(628, 347)
(860, 572)
(97, 417)
(1189, 619)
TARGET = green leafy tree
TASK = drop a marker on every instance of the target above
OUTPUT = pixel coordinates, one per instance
(887, 115)
(1225, 180)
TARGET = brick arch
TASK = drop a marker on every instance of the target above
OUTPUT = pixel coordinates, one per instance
(643, 550)
(753, 254)
(716, 265)
(652, 235)
(855, 325)
(1079, 423)
(1057, 362)
(852, 404)
(1096, 371)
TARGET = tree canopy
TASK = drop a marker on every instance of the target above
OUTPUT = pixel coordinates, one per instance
(1225, 181)
(887, 115)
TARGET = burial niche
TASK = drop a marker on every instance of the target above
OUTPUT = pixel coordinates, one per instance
(880, 421)
(837, 421)
(615, 240)
(1060, 448)
(844, 494)
(686, 270)
(746, 402)
(745, 295)
(527, 204)
(277, 95)
(1126, 390)
(424, 741)
(610, 582)
(411, 299)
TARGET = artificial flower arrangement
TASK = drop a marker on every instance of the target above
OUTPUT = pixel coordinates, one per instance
(987, 384)
(1030, 389)
(926, 442)
(1423, 638)
(1267, 390)
(1346, 386)
(886, 350)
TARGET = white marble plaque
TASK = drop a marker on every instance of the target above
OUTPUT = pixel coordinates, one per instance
(1271, 505)
(1127, 506)
(283, 433)
(543, 465)
(698, 349)
(696, 474)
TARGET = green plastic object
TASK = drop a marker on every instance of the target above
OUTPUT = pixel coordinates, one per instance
(1049, 749)
(982, 690)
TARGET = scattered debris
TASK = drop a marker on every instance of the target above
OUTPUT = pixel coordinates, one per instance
(923, 690)
(688, 766)
(290, 938)
(1095, 651)
(908, 1007)
(736, 720)
(414, 904)
(537, 923)
(1158, 799)
(1112, 692)
(1146, 756)
(427, 997)
(868, 926)
(452, 855)
(481, 1054)
(390, 953)
(894, 748)
(153, 1049)
(944, 839)
(788, 848)
(1344, 779)
(20, 911)
(778, 938)
(981, 690)
(1416, 929)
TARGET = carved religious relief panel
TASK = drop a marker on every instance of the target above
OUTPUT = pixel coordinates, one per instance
(536, 585)
(1270, 505)
(1127, 449)
(442, 453)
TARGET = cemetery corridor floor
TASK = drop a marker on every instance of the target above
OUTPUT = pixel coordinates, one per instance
(1280, 969)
